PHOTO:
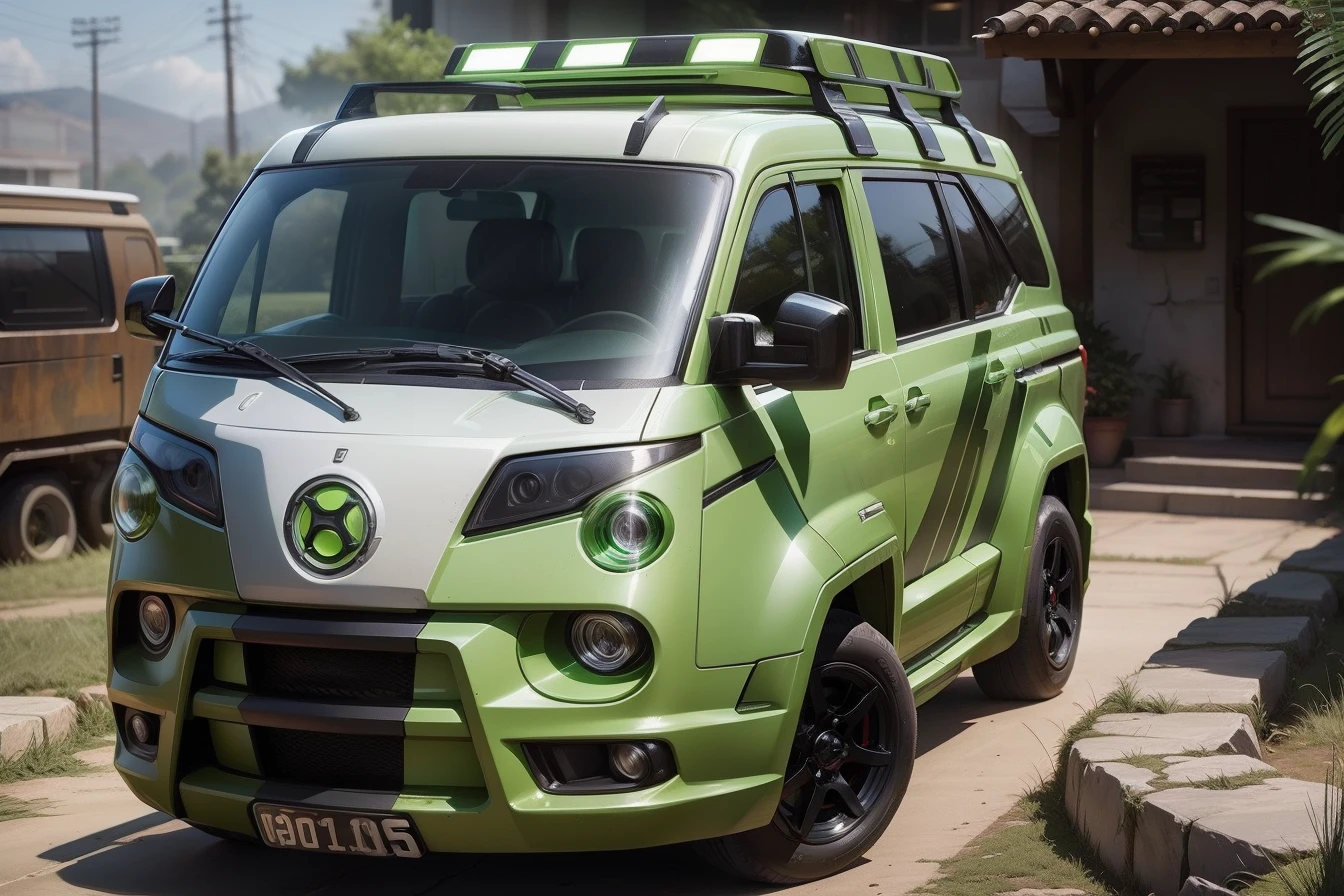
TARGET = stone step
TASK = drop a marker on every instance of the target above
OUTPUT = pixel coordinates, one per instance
(34, 721)
(1293, 634)
(1288, 593)
(1285, 449)
(1219, 472)
(1147, 497)
(1206, 677)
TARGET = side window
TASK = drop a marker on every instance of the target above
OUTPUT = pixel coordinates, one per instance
(774, 263)
(991, 280)
(51, 278)
(296, 266)
(916, 256)
(1003, 204)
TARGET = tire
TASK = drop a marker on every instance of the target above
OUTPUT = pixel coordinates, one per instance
(37, 520)
(856, 676)
(1040, 662)
(95, 508)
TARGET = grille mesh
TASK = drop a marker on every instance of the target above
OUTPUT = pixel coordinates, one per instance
(355, 761)
(360, 676)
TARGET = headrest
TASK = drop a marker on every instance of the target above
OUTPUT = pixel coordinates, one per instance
(510, 255)
(608, 253)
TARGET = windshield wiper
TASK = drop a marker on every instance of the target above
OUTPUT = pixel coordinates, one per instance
(459, 359)
(256, 353)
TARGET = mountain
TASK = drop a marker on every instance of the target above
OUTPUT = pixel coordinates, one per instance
(57, 121)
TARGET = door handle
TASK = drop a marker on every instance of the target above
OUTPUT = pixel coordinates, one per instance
(917, 403)
(996, 375)
(879, 416)
(118, 369)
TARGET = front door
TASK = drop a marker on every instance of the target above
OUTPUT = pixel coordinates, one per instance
(1284, 376)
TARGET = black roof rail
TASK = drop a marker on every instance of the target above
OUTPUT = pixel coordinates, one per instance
(361, 100)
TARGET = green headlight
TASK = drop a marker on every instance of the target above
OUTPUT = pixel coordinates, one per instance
(135, 501)
(626, 531)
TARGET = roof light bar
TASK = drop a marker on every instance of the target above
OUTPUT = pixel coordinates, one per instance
(709, 50)
(496, 59)
(597, 55)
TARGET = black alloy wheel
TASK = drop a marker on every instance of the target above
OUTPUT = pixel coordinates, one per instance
(842, 756)
(1058, 590)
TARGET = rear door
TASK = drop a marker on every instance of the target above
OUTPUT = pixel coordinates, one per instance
(946, 283)
(57, 333)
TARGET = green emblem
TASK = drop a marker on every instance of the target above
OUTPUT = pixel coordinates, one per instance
(330, 525)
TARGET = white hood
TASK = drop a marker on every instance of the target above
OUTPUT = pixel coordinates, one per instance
(421, 453)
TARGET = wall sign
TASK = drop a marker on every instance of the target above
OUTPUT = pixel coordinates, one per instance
(1167, 202)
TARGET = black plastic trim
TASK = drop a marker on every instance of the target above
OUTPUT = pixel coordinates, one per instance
(322, 716)
(737, 480)
(669, 49)
(309, 140)
(644, 125)
(543, 760)
(545, 55)
(389, 635)
(313, 797)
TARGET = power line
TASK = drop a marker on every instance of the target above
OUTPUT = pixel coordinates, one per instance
(33, 12)
(228, 22)
(93, 33)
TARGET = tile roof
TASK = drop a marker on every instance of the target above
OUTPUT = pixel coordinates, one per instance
(1135, 16)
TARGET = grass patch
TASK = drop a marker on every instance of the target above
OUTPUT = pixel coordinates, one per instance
(1033, 846)
(82, 573)
(12, 808)
(95, 725)
(63, 654)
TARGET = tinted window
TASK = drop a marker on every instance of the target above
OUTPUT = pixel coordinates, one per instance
(916, 257)
(773, 263)
(50, 279)
(1001, 201)
(990, 278)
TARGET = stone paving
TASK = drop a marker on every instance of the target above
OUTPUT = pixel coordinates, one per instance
(1137, 785)
(29, 721)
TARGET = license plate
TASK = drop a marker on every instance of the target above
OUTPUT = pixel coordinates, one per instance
(289, 827)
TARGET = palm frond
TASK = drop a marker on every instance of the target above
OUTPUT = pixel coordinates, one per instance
(1321, 60)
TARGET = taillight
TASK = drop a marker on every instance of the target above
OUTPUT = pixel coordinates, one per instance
(1082, 350)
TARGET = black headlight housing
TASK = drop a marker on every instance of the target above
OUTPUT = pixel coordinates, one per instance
(186, 472)
(544, 486)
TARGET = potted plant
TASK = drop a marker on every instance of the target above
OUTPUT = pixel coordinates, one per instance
(1173, 400)
(1111, 386)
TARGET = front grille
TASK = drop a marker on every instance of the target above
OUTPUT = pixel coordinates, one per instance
(359, 676)
(355, 761)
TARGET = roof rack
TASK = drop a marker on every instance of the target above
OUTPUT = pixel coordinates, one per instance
(826, 75)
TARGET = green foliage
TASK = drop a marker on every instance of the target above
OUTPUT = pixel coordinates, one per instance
(1321, 60)
(165, 188)
(221, 179)
(1112, 381)
(1173, 381)
(1310, 245)
(390, 51)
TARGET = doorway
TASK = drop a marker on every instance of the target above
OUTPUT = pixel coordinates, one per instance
(1278, 380)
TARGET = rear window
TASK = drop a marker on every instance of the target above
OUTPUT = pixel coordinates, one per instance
(52, 278)
(1003, 203)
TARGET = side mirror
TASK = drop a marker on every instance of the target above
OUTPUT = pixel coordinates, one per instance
(152, 295)
(813, 344)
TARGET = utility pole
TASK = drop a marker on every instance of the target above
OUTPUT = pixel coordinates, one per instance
(94, 33)
(228, 21)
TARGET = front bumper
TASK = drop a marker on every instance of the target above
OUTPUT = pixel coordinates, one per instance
(449, 754)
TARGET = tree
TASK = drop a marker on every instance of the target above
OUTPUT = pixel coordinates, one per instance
(390, 51)
(221, 180)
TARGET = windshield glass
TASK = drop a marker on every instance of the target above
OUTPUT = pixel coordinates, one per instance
(573, 271)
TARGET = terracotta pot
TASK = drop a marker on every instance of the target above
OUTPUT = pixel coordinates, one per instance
(1104, 437)
(1173, 416)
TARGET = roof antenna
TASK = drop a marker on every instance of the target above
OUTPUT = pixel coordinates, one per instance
(644, 125)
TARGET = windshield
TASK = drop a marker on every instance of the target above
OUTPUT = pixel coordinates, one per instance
(574, 271)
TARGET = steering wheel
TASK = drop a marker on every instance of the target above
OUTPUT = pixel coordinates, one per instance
(613, 320)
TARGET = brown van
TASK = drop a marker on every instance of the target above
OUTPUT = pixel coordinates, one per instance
(70, 374)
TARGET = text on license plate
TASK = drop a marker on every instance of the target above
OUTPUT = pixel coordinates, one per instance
(288, 827)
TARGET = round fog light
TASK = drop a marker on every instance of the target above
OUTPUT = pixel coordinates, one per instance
(156, 623)
(135, 501)
(606, 643)
(138, 727)
(630, 761)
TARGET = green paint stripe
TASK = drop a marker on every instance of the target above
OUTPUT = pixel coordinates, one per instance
(997, 489)
(921, 552)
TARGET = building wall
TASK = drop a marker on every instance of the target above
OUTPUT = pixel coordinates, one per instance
(1171, 305)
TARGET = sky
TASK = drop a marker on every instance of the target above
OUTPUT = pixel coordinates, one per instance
(165, 57)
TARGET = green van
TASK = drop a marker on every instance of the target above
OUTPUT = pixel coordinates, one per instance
(612, 450)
